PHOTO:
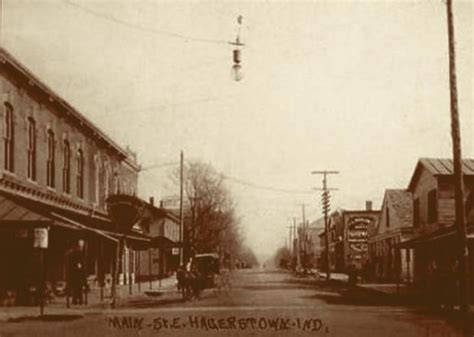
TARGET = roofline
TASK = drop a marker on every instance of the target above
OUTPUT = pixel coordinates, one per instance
(169, 214)
(420, 164)
(361, 211)
(34, 81)
(414, 175)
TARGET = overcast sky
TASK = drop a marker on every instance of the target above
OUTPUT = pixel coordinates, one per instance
(360, 87)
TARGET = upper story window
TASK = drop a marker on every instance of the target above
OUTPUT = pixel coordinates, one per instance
(97, 179)
(80, 174)
(416, 212)
(66, 167)
(9, 138)
(106, 181)
(50, 163)
(387, 216)
(31, 150)
(117, 183)
(432, 206)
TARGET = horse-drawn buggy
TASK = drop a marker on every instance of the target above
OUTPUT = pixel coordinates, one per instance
(198, 274)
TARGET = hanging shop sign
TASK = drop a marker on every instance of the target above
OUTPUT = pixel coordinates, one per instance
(40, 238)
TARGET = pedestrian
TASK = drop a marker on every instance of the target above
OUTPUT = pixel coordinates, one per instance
(180, 275)
(433, 284)
(196, 283)
(77, 273)
(451, 288)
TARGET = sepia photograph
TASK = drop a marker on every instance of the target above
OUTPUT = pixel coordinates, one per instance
(237, 168)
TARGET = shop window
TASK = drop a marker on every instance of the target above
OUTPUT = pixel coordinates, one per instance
(9, 138)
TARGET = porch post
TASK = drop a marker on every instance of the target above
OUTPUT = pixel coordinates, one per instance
(138, 271)
(408, 265)
(149, 268)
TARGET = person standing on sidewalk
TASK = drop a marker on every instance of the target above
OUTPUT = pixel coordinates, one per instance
(433, 285)
(76, 272)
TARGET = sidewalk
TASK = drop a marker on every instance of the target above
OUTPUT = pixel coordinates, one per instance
(58, 307)
(400, 291)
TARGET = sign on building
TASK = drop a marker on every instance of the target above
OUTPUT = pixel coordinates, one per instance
(40, 238)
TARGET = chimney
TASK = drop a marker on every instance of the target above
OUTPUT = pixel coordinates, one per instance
(152, 201)
(161, 203)
(368, 205)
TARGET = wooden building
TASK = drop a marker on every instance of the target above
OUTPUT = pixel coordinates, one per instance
(387, 262)
(435, 233)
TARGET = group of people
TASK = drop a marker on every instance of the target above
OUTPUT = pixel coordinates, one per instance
(442, 284)
(190, 280)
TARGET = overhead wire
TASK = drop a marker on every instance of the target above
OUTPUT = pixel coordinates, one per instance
(237, 180)
(104, 16)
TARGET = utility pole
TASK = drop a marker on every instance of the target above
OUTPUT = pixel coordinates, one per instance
(298, 245)
(303, 234)
(457, 169)
(290, 232)
(326, 208)
(292, 235)
(181, 197)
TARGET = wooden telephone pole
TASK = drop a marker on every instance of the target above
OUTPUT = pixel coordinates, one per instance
(181, 206)
(326, 210)
(457, 169)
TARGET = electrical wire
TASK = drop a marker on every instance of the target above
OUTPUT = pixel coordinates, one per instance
(268, 188)
(237, 180)
(187, 38)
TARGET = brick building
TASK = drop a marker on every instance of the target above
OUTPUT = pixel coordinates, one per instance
(56, 170)
(348, 238)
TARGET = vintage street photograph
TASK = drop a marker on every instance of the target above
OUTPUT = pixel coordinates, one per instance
(237, 168)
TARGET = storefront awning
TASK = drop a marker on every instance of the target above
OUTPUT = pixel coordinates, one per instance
(163, 242)
(136, 241)
(443, 233)
(14, 213)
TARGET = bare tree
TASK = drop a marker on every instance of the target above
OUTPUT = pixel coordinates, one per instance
(210, 221)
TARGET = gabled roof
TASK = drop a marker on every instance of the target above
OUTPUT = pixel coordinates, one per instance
(163, 212)
(400, 202)
(439, 167)
(24, 72)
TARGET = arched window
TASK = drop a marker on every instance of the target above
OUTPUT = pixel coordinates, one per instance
(96, 179)
(31, 150)
(106, 180)
(117, 183)
(80, 174)
(66, 167)
(9, 138)
(50, 162)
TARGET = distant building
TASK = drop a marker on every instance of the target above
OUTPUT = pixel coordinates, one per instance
(357, 225)
(388, 263)
(162, 259)
(348, 239)
(314, 246)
